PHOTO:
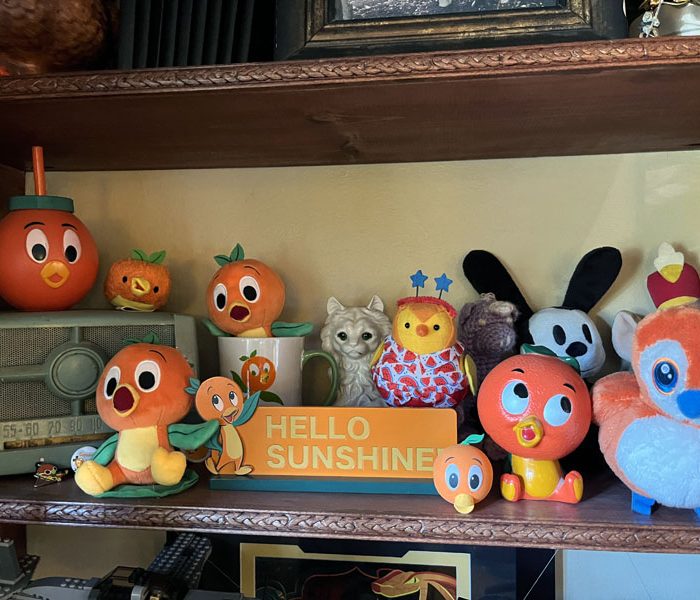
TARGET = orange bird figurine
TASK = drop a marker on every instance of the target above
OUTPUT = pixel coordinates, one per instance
(49, 259)
(141, 394)
(245, 297)
(537, 408)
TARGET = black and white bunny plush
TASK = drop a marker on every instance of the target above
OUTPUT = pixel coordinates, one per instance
(566, 330)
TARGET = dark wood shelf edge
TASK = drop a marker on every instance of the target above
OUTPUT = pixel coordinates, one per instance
(497, 62)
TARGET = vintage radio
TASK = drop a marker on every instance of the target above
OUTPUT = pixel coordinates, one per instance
(49, 367)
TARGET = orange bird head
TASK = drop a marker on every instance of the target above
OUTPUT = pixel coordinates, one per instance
(666, 362)
(144, 385)
(535, 406)
(49, 259)
(219, 398)
(244, 295)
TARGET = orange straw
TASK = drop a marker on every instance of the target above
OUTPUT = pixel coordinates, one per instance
(38, 162)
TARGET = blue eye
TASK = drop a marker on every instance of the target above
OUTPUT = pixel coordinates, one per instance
(476, 476)
(557, 411)
(452, 476)
(665, 375)
(515, 397)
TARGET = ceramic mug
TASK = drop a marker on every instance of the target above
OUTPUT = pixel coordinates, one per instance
(272, 366)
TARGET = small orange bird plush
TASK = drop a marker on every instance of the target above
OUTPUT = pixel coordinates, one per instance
(650, 419)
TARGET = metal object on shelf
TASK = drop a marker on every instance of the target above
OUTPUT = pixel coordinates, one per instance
(14, 573)
(667, 18)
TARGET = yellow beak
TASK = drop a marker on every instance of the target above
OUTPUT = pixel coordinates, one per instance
(140, 286)
(55, 274)
(464, 503)
(671, 273)
(529, 432)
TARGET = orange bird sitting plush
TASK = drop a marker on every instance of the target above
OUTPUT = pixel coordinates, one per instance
(141, 394)
(537, 408)
(650, 419)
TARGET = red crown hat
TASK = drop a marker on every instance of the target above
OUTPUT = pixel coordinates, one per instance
(428, 300)
(674, 282)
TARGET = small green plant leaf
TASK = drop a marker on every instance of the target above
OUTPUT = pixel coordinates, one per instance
(253, 353)
(137, 254)
(474, 438)
(237, 253)
(271, 397)
(237, 378)
(243, 358)
(149, 338)
(193, 387)
(157, 258)
(222, 260)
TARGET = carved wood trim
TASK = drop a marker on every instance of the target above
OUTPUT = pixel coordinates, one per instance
(458, 530)
(469, 63)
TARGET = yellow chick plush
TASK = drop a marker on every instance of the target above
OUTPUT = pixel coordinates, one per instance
(421, 363)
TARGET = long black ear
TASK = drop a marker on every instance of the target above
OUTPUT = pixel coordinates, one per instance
(487, 274)
(593, 277)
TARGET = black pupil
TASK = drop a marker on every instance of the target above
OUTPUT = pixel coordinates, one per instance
(147, 380)
(71, 254)
(474, 481)
(250, 293)
(407, 325)
(436, 327)
(587, 333)
(215, 399)
(39, 251)
(155, 290)
(111, 386)
(454, 480)
(520, 390)
(366, 336)
(664, 373)
(559, 335)
(232, 395)
(565, 404)
(125, 279)
(343, 336)
(220, 301)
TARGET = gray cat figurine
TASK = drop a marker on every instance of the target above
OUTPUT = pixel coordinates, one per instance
(351, 335)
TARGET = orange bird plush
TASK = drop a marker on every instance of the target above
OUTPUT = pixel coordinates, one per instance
(537, 408)
(140, 393)
(650, 419)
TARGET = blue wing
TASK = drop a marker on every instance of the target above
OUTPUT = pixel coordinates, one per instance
(249, 407)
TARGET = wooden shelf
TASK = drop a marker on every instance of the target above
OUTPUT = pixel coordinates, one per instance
(603, 521)
(560, 99)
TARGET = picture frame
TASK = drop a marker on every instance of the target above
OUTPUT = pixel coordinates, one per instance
(315, 28)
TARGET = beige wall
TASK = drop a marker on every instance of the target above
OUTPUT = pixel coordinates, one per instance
(359, 230)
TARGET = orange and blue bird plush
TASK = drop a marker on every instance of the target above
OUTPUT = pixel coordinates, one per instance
(650, 419)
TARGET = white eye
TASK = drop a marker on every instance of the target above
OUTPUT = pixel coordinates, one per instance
(220, 296)
(254, 371)
(250, 289)
(515, 397)
(37, 245)
(233, 398)
(111, 382)
(476, 477)
(557, 411)
(147, 375)
(71, 246)
(217, 402)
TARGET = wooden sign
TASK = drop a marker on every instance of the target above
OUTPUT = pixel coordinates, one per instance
(346, 442)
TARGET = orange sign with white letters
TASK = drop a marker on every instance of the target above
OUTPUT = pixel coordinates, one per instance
(347, 442)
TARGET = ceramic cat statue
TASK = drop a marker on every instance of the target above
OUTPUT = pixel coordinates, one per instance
(351, 335)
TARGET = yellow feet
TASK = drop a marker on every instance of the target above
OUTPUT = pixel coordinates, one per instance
(167, 468)
(244, 470)
(511, 487)
(573, 482)
(94, 479)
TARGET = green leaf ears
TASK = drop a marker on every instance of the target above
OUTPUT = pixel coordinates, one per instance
(193, 387)
(243, 358)
(236, 254)
(474, 438)
(149, 338)
(237, 378)
(156, 258)
(569, 360)
(253, 353)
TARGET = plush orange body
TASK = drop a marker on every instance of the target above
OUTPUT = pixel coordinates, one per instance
(537, 408)
(140, 393)
(463, 476)
(137, 285)
(245, 297)
(48, 259)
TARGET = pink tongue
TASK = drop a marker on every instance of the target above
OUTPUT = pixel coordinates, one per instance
(123, 400)
(528, 434)
(239, 313)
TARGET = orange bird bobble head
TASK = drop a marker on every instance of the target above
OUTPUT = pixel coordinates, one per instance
(463, 474)
(650, 419)
(244, 299)
(140, 283)
(537, 408)
(141, 394)
(48, 257)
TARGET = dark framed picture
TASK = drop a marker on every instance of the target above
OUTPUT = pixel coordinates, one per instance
(320, 28)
